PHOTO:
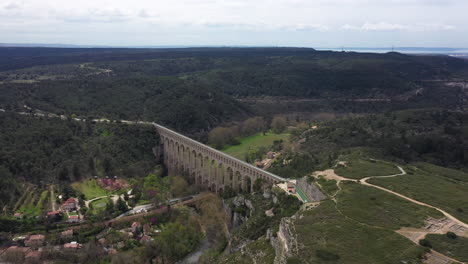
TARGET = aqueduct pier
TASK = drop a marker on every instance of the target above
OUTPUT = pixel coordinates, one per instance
(207, 167)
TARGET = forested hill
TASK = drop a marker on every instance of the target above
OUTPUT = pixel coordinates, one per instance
(196, 89)
(42, 150)
(12, 58)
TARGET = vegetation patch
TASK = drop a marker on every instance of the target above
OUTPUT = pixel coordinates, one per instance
(330, 187)
(99, 204)
(252, 143)
(357, 167)
(375, 207)
(329, 237)
(259, 251)
(453, 246)
(432, 187)
(90, 188)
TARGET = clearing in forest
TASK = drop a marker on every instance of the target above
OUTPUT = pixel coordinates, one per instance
(252, 143)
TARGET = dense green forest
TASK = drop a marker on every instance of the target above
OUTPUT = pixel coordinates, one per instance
(42, 151)
(194, 90)
(321, 105)
(435, 136)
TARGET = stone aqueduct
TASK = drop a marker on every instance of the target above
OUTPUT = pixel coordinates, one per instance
(209, 168)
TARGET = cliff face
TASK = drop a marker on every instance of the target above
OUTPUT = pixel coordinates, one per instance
(238, 211)
(312, 191)
(282, 240)
(285, 242)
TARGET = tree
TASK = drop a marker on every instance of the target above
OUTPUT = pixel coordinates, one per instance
(121, 205)
(451, 235)
(179, 186)
(220, 136)
(253, 125)
(110, 207)
(425, 243)
(278, 124)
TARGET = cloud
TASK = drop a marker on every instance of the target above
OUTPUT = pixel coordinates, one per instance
(384, 26)
(93, 15)
(307, 27)
(11, 6)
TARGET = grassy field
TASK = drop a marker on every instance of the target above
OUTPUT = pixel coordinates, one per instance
(252, 143)
(328, 186)
(456, 248)
(358, 167)
(432, 187)
(329, 237)
(90, 189)
(99, 204)
(375, 207)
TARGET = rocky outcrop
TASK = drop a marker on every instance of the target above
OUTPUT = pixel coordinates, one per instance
(238, 211)
(310, 189)
(285, 242)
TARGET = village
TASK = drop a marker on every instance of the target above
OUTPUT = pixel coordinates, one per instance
(71, 228)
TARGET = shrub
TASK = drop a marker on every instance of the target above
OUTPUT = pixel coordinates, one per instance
(326, 255)
(425, 243)
(451, 235)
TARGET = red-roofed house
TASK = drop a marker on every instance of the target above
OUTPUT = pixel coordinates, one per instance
(72, 245)
(67, 233)
(18, 215)
(35, 241)
(14, 252)
(73, 219)
(33, 256)
(69, 205)
(291, 188)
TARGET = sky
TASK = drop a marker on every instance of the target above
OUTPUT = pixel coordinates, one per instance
(303, 23)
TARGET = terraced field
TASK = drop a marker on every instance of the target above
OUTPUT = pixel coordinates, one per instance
(33, 202)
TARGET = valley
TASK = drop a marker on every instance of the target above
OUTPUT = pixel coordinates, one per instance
(242, 155)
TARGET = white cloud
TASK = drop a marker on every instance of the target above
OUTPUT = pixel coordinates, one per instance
(241, 20)
(384, 26)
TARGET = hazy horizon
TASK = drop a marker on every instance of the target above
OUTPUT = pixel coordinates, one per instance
(319, 23)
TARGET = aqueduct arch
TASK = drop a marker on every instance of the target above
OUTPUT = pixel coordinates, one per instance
(207, 167)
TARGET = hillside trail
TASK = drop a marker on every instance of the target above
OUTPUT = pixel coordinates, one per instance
(403, 172)
(415, 235)
(331, 175)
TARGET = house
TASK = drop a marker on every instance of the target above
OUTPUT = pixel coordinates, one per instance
(259, 164)
(35, 241)
(291, 188)
(69, 205)
(67, 234)
(18, 216)
(14, 252)
(74, 219)
(270, 155)
(33, 256)
(72, 245)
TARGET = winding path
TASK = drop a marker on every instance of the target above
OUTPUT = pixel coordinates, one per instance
(403, 172)
(331, 175)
